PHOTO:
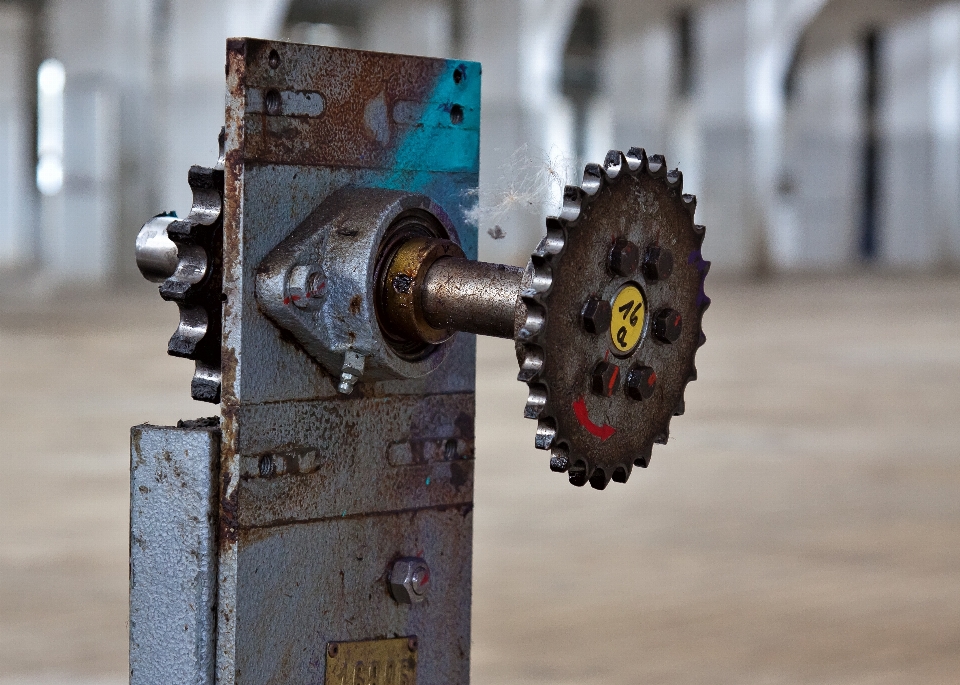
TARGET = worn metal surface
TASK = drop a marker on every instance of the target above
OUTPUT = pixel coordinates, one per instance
(596, 431)
(320, 493)
(373, 662)
(475, 297)
(344, 236)
(173, 553)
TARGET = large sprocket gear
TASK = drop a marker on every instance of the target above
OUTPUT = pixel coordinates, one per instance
(613, 304)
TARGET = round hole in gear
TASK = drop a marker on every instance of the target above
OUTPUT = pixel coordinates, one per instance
(629, 319)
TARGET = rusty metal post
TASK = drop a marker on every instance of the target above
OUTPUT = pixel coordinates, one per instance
(320, 493)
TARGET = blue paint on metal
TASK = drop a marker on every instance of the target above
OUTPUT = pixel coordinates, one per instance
(445, 139)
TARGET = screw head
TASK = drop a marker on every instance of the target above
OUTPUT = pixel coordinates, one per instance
(409, 579)
(658, 264)
(640, 383)
(624, 257)
(595, 316)
(606, 379)
(333, 649)
(667, 325)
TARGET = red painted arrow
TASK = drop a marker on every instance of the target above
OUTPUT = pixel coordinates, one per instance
(603, 432)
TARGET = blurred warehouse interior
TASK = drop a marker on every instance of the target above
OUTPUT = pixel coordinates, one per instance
(818, 134)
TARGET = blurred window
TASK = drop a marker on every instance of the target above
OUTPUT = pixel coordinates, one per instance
(51, 79)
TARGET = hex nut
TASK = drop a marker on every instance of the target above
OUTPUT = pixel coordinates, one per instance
(658, 264)
(667, 325)
(624, 257)
(306, 285)
(606, 379)
(641, 382)
(409, 579)
(595, 316)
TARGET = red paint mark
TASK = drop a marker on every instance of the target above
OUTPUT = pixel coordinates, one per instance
(603, 432)
(606, 355)
(676, 321)
(291, 298)
(613, 379)
(652, 380)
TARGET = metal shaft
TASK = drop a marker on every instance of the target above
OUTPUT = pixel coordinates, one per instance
(474, 297)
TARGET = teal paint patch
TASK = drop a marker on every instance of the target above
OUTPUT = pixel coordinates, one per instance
(438, 153)
(447, 135)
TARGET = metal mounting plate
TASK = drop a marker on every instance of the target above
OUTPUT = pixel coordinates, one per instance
(319, 493)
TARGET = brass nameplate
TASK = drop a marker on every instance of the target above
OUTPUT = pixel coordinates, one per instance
(372, 662)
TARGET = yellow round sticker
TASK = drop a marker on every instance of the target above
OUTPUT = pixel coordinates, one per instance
(629, 310)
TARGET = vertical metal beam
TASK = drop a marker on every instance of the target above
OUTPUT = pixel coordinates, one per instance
(173, 553)
(320, 492)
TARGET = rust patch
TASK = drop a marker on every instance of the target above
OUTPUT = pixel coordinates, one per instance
(356, 302)
(229, 506)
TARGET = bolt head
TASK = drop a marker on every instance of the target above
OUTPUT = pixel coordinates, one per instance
(667, 325)
(658, 264)
(624, 257)
(409, 579)
(640, 383)
(606, 379)
(595, 316)
(306, 286)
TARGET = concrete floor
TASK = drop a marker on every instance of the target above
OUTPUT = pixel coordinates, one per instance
(802, 526)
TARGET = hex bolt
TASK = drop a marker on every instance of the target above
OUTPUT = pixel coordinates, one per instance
(353, 364)
(306, 285)
(624, 257)
(667, 325)
(606, 379)
(595, 316)
(657, 264)
(641, 382)
(409, 579)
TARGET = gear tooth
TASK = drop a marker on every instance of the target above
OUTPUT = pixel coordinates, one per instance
(657, 166)
(700, 232)
(662, 438)
(636, 159)
(703, 339)
(643, 461)
(572, 203)
(206, 185)
(536, 401)
(534, 321)
(621, 474)
(552, 243)
(222, 154)
(599, 479)
(577, 473)
(546, 433)
(675, 180)
(542, 276)
(681, 407)
(559, 459)
(191, 330)
(613, 163)
(690, 204)
(532, 363)
(206, 383)
(592, 179)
